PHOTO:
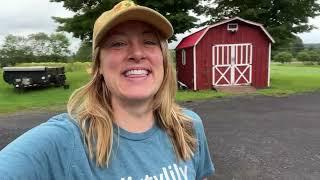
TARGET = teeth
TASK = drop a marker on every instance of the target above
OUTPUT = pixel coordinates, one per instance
(136, 72)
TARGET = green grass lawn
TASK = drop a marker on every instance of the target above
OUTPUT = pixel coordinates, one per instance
(292, 78)
(285, 79)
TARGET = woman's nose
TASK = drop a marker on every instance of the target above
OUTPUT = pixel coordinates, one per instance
(137, 52)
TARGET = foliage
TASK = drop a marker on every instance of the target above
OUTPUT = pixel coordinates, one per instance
(282, 18)
(295, 45)
(14, 50)
(314, 56)
(304, 56)
(35, 47)
(84, 52)
(86, 11)
(59, 47)
(283, 57)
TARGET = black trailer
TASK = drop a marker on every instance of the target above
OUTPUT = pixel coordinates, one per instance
(24, 77)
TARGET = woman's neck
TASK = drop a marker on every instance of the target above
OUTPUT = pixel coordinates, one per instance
(134, 117)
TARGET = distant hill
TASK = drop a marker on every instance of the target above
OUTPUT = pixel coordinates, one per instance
(312, 45)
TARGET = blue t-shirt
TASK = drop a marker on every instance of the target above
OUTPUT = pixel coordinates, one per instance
(55, 150)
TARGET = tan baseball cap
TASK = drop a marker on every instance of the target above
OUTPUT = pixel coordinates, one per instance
(128, 10)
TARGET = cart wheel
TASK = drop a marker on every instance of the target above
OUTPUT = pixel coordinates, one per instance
(59, 83)
(19, 90)
(66, 86)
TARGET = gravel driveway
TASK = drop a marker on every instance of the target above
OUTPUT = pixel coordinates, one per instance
(250, 137)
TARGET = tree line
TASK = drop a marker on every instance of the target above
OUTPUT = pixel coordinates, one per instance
(38, 47)
(282, 18)
(307, 56)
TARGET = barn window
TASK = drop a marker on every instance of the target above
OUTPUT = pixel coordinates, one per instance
(233, 27)
(183, 57)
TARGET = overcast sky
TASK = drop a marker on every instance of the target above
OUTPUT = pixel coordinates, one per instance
(23, 17)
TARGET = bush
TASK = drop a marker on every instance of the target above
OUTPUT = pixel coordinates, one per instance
(283, 57)
(304, 57)
(315, 56)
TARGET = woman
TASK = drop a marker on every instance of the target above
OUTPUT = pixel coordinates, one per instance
(123, 124)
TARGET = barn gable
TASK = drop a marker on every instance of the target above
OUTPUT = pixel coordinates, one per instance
(194, 38)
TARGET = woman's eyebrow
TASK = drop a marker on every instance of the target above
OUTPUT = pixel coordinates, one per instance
(148, 32)
(116, 33)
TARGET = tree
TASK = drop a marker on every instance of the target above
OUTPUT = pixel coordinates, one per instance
(15, 50)
(59, 47)
(35, 47)
(86, 11)
(293, 46)
(84, 52)
(283, 57)
(304, 57)
(296, 45)
(40, 45)
(314, 56)
(282, 18)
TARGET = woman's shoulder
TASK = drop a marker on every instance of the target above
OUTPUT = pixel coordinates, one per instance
(57, 129)
(195, 118)
(40, 149)
(58, 126)
(191, 114)
(61, 121)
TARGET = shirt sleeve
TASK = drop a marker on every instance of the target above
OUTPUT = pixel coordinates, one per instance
(204, 164)
(41, 153)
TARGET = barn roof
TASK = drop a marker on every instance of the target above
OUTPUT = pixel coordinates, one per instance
(194, 38)
(191, 40)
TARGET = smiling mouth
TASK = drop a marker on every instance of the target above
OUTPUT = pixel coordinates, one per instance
(136, 72)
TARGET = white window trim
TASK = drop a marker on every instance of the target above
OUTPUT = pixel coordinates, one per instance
(232, 29)
(183, 55)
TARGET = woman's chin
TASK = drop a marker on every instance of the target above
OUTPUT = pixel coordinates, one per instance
(138, 97)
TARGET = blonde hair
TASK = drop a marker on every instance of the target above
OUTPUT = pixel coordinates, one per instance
(91, 107)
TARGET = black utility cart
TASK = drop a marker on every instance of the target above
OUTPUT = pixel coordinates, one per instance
(25, 77)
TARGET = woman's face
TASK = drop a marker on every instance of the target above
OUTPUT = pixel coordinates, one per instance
(131, 61)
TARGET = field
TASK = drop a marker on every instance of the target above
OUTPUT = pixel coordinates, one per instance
(285, 79)
(292, 78)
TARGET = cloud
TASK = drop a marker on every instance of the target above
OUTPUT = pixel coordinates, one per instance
(22, 18)
(25, 17)
(314, 35)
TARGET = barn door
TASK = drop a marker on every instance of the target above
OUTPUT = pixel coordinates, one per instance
(232, 64)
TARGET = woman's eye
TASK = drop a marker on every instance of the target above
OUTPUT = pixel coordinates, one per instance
(150, 42)
(117, 44)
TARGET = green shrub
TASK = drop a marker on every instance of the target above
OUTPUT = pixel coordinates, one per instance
(304, 57)
(283, 57)
(314, 56)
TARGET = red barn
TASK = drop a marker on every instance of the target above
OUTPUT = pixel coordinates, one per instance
(230, 53)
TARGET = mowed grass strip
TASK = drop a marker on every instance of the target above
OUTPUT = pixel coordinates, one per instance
(285, 79)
